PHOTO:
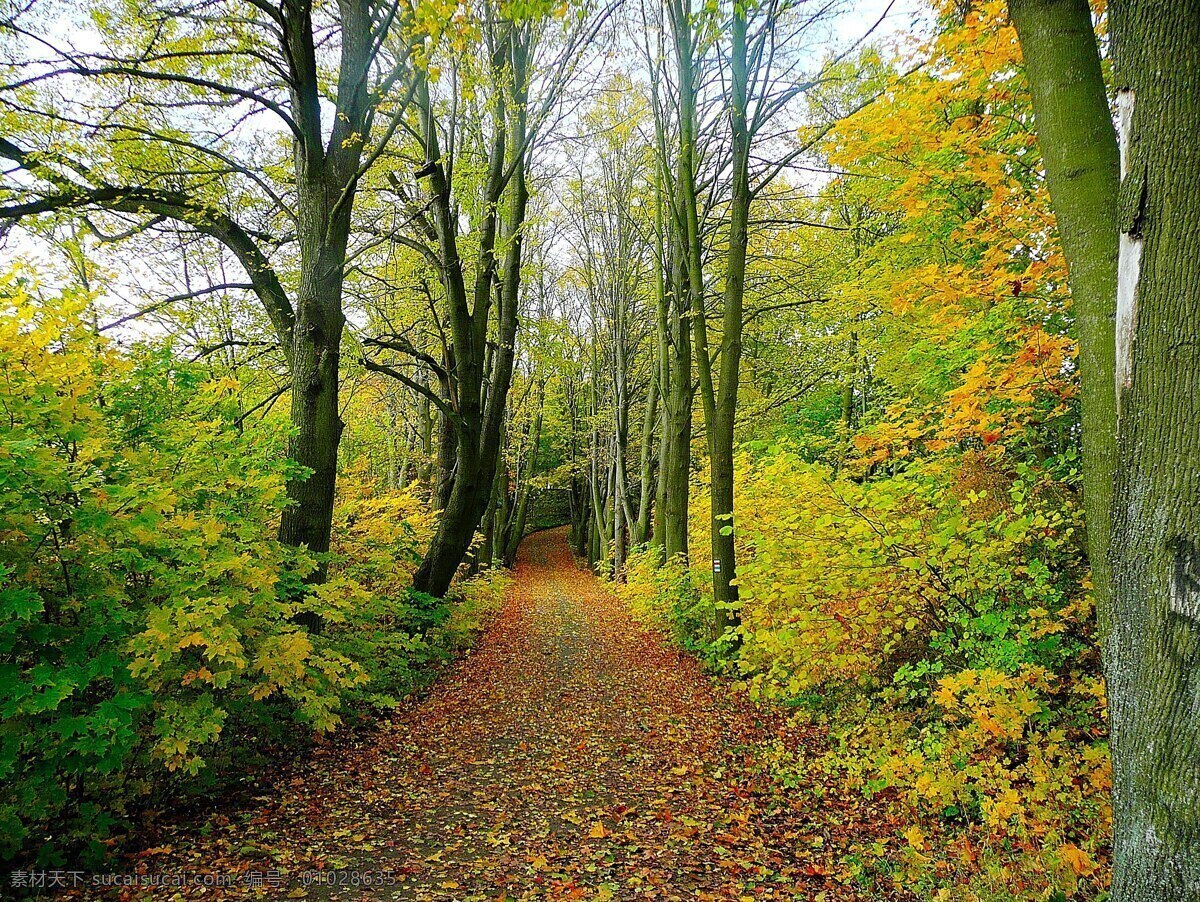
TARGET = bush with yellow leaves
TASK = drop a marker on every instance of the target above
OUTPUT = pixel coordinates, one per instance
(936, 621)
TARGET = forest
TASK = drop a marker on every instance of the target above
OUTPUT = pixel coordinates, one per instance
(615, 449)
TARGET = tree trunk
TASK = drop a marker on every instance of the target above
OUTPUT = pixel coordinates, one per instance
(677, 424)
(316, 419)
(520, 514)
(724, 414)
(1079, 149)
(1154, 647)
(425, 471)
(620, 449)
(641, 527)
(326, 181)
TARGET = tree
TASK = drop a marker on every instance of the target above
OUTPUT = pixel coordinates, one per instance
(1151, 651)
(612, 265)
(1155, 594)
(526, 61)
(1079, 151)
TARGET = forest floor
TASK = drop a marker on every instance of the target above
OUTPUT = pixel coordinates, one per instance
(570, 755)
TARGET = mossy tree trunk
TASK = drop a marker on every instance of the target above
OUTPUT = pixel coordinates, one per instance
(1153, 650)
(1079, 150)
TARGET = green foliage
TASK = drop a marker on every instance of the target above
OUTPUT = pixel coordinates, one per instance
(142, 601)
(668, 596)
(148, 616)
(396, 634)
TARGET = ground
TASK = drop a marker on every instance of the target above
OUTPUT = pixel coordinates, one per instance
(571, 755)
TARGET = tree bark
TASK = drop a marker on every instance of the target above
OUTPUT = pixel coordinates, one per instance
(677, 421)
(315, 411)
(1154, 646)
(520, 513)
(641, 527)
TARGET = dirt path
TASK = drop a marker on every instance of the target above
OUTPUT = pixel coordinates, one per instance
(572, 755)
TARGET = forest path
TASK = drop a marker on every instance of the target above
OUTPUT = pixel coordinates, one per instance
(571, 755)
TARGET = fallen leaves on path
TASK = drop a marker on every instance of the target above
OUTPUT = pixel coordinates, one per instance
(572, 755)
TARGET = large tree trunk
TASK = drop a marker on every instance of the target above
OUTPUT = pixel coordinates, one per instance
(318, 335)
(1154, 647)
(1079, 149)
(468, 498)
(318, 429)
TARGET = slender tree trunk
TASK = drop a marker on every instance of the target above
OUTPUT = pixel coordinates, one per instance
(677, 423)
(723, 413)
(499, 516)
(425, 471)
(618, 522)
(1079, 148)
(620, 450)
(688, 283)
(447, 457)
(520, 514)
(1154, 647)
(851, 379)
(401, 471)
(663, 375)
(641, 528)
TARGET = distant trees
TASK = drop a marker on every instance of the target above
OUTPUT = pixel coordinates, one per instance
(718, 80)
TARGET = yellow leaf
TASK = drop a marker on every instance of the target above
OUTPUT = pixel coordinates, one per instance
(1076, 859)
(915, 838)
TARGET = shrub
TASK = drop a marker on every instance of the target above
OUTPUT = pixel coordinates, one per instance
(935, 621)
(397, 635)
(148, 615)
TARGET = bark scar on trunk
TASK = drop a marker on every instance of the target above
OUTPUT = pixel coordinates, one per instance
(1129, 267)
(1131, 209)
(1125, 104)
(1185, 579)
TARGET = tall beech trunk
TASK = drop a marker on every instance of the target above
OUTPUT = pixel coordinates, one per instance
(677, 401)
(674, 184)
(1079, 149)
(1153, 649)
(721, 411)
(620, 447)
